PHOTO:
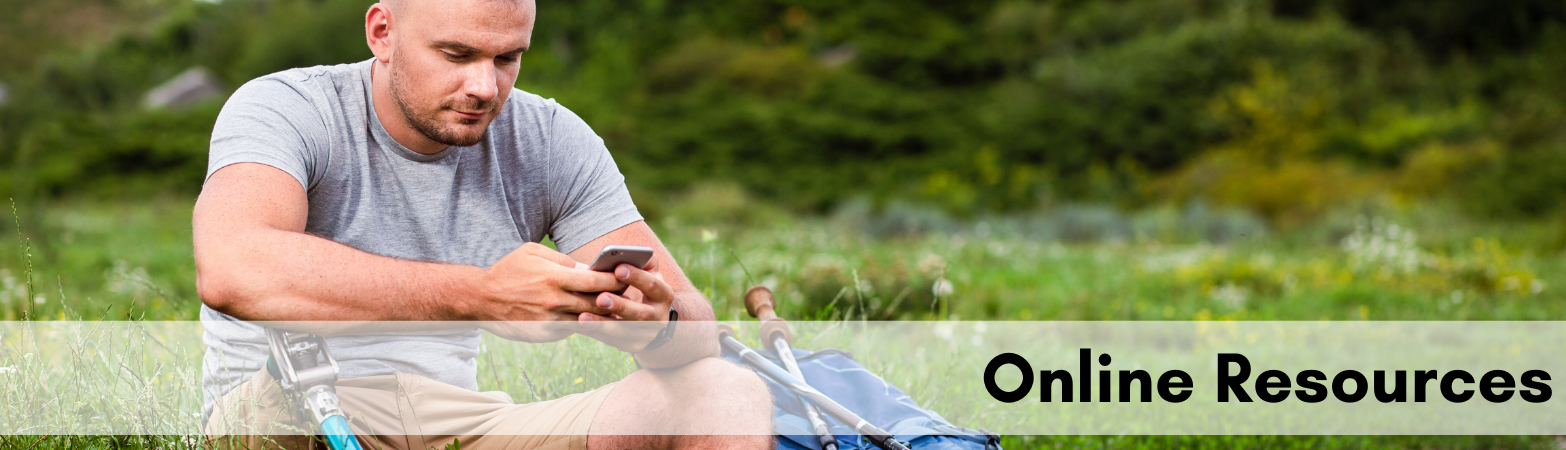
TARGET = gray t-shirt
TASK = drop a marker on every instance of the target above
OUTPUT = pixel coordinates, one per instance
(540, 171)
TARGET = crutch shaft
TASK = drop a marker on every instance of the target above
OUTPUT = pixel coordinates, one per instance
(776, 335)
(876, 435)
(823, 432)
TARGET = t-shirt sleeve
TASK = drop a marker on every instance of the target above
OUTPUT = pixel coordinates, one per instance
(587, 194)
(270, 122)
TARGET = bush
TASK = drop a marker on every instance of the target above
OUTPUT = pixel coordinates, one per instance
(1529, 181)
(978, 107)
(722, 204)
(134, 154)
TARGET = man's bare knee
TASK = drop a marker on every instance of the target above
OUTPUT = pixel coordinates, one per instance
(734, 395)
(709, 403)
(732, 383)
(718, 389)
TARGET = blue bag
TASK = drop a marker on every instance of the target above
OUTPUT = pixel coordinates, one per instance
(836, 374)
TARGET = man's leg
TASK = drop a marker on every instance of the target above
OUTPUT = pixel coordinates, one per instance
(404, 412)
(710, 403)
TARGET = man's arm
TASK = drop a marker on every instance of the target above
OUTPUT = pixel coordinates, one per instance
(255, 262)
(695, 333)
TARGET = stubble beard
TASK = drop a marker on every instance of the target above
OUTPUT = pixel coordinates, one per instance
(430, 126)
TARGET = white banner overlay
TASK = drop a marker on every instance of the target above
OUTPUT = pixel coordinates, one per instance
(1201, 378)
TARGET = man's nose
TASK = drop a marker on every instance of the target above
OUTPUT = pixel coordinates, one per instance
(480, 80)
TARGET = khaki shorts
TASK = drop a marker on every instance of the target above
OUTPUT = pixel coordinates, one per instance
(406, 412)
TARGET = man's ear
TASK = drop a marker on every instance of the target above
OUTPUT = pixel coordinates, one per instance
(378, 30)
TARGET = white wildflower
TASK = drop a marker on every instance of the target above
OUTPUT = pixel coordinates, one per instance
(1178, 260)
(1231, 295)
(942, 288)
(862, 286)
(932, 264)
(1384, 245)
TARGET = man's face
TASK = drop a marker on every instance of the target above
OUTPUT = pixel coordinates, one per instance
(455, 62)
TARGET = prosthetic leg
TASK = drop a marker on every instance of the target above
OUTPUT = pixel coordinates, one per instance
(308, 375)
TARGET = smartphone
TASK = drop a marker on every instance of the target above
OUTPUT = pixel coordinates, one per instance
(615, 255)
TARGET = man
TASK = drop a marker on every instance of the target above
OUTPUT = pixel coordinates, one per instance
(415, 187)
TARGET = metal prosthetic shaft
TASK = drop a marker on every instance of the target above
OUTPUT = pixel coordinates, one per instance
(297, 364)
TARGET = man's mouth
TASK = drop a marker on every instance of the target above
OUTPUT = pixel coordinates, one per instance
(475, 115)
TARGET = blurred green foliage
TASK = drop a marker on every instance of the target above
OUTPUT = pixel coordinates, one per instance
(1287, 108)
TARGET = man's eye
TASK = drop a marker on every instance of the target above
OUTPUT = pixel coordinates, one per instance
(508, 59)
(454, 57)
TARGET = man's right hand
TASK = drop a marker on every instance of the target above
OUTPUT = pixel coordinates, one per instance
(535, 294)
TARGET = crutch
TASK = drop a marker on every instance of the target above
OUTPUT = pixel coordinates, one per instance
(308, 375)
(876, 435)
(776, 336)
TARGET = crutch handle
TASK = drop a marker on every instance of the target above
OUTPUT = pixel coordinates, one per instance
(759, 303)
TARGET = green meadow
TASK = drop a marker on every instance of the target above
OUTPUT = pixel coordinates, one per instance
(132, 261)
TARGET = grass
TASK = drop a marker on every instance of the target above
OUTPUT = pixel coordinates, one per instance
(116, 261)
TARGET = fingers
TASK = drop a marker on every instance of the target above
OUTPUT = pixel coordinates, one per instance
(542, 251)
(576, 277)
(577, 303)
(578, 280)
(629, 310)
(654, 289)
(626, 335)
